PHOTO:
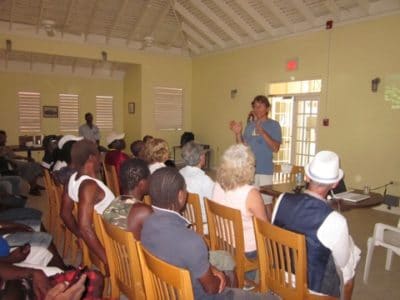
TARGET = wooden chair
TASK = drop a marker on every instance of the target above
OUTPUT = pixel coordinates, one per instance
(163, 280)
(55, 226)
(89, 258)
(147, 199)
(122, 254)
(283, 262)
(111, 178)
(48, 182)
(281, 177)
(226, 233)
(282, 258)
(192, 212)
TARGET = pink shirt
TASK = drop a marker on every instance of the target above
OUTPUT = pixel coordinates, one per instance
(237, 199)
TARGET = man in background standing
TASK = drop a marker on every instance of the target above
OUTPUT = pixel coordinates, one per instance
(89, 130)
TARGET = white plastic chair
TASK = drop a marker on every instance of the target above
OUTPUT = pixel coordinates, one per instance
(386, 236)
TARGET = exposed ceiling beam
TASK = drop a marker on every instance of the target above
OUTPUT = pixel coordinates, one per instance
(199, 25)
(304, 10)
(160, 19)
(278, 14)
(236, 18)
(217, 20)
(90, 19)
(179, 25)
(173, 37)
(197, 37)
(39, 19)
(255, 15)
(193, 47)
(364, 5)
(11, 14)
(143, 12)
(117, 17)
(67, 16)
(333, 8)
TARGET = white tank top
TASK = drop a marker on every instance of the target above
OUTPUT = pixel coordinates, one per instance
(73, 191)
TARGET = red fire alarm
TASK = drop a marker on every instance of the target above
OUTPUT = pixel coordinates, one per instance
(291, 65)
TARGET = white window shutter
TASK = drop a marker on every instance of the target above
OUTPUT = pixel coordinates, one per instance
(29, 112)
(168, 108)
(69, 112)
(104, 113)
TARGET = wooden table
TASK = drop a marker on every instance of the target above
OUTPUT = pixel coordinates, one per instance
(28, 150)
(275, 190)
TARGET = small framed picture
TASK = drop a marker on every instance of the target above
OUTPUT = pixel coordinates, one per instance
(131, 107)
(50, 111)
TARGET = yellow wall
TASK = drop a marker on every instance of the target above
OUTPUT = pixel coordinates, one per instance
(132, 93)
(154, 70)
(49, 87)
(363, 130)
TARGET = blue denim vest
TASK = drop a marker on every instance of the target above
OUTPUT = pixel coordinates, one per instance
(304, 214)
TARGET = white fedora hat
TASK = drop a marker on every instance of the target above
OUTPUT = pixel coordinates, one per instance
(324, 168)
(68, 137)
(113, 136)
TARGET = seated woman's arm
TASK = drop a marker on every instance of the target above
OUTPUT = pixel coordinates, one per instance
(255, 205)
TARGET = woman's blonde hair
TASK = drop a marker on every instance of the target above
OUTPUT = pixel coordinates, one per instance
(237, 167)
(156, 150)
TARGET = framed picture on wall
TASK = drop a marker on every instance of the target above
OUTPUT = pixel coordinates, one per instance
(50, 111)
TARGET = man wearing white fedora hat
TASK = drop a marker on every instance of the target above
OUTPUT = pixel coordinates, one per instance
(332, 255)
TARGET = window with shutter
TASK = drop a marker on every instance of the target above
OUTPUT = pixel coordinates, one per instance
(69, 112)
(168, 108)
(29, 112)
(104, 113)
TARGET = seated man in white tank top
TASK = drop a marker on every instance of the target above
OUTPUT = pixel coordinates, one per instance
(90, 193)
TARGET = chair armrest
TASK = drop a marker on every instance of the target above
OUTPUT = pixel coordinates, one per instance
(380, 229)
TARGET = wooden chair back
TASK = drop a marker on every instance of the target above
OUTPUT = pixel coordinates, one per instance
(163, 280)
(281, 177)
(282, 258)
(89, 258)
(147, 199)
(225, 230)
(49, 185)
(111, 177)
(122, 254)
(192, 212)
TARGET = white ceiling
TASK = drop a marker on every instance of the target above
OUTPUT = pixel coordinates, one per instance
(183, 27)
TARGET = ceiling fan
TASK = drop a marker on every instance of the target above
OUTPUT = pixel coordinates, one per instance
(49, 27)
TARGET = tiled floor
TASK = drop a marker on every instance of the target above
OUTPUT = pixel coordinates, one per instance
(383, 285)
